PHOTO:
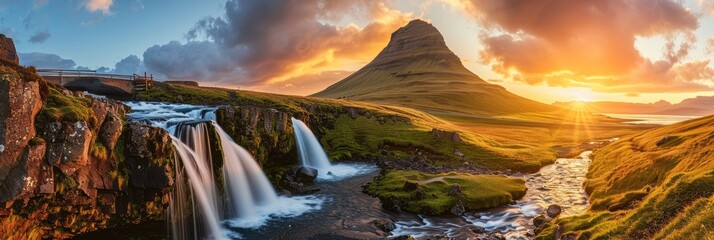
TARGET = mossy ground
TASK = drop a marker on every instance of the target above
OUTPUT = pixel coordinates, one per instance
(639, 190)
(493, 143)
(479, 191)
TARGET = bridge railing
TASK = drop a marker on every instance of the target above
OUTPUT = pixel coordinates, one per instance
(82, 73)
(140, 82)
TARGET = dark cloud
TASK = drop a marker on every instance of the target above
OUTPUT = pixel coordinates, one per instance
(587, 43)
(39, 37)
(45, 60)
(258, 42)
(129, 65)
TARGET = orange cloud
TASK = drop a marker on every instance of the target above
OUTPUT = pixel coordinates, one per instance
(590, 43)
(299, 38)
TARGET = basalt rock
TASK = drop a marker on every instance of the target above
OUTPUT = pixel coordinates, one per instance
(7, 50)
(553, 210)
(453, 136)
(74, 176)
(20, 103)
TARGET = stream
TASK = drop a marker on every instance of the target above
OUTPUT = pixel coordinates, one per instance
(340, 210)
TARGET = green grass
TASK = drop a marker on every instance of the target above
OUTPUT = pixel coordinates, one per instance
(639, 190)
(60, 107)
(480, 191)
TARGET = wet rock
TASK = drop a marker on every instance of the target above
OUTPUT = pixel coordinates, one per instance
(391, 204)
(455, 190)
(385, 225)
(554, 210)
(410, 186)
(458, 209)
(478, 230)
(148, 153)
(305, 174)
(539, 221)
(496, 236)
(297, 188)
(404, 237)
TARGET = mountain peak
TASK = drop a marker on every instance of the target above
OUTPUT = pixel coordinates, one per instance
(416, 69)
(417, 39)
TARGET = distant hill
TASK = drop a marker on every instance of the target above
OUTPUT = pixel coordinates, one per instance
(699, 106)
(416, 69)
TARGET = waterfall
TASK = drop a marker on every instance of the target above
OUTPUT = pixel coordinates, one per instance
(217, 182)
(245, 181)
(309, 149)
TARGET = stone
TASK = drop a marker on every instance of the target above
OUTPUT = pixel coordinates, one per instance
(539, 221)
(478, 230)
(569, 236)
(455, 190)
(20, 102)
(458, 209)
(662, 141)
(385, 225)
(553, 210)
(7, 50)
(111, 130)
(458, 153)
(391, 204)
(145, 146)
(410, 186)
(67, 142)
(441, 134)
(305, 174)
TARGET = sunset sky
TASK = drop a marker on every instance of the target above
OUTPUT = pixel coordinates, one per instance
(548, 50)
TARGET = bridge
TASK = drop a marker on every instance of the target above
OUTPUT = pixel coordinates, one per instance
(98, 83)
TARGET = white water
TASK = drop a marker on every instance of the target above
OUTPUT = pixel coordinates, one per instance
(248, 199)
(313, 155)
(559, 183)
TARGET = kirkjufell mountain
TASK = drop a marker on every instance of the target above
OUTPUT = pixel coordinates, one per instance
(416, 69)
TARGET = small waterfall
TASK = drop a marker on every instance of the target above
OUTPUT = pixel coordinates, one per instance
(309, 149)
(245, 181)
(217, 182)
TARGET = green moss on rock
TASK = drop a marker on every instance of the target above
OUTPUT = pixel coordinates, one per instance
(432, 197)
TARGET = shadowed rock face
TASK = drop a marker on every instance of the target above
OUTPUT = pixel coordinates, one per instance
(416, 69)
(7, 50)
(73, 176)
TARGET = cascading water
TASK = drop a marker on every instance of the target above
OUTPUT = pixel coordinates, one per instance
(310, 150)
(198, 208)
(313, 155)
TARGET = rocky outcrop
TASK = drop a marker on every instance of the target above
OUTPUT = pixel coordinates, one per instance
(20, 103)
(7, 50)
(453, 136)
(78, 173)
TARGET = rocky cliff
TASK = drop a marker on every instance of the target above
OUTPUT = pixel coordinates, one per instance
(7, 50)
(70, 164)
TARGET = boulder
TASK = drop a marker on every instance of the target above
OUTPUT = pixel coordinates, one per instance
(553, 210)
(385, 225)
(478, 230)
(662, 141)
(410, 186)
(455, 190)
(453, 136)
(32, 175)
(458, 209)
(539, 221)
(305, 174)
(458, 153)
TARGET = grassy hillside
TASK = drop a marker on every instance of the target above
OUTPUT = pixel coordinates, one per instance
(653, 185)
(362, 137)
(416, 69)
